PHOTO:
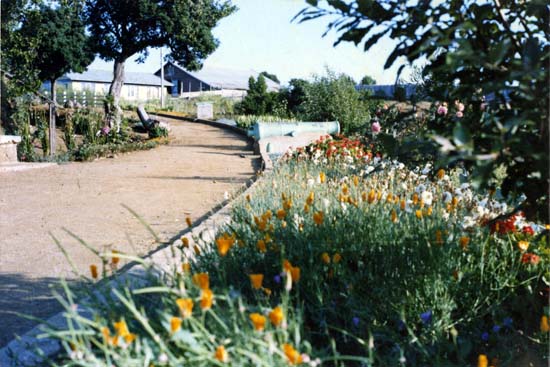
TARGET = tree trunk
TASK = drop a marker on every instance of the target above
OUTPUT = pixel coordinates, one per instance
(113, 113)
(52, 89)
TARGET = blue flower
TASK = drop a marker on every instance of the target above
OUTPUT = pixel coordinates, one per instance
(401, 325)
(277, 279)
(426, 317)
(355, 320)
(485, 336)
(496, 328)
(508, 322)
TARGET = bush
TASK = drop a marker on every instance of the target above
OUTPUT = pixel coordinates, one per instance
(333, 97)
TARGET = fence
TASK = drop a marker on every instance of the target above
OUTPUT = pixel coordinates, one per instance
(84, 98)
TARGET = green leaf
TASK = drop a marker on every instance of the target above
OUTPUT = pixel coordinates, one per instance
(461, 136)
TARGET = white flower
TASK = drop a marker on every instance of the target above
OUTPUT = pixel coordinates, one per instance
(420, 188)
(427, 198)
(427, 169)
(326, 203)
(447, 197)
(163, 358)
(408, 206)
(310, 182)
(468, 222)
(369, 169)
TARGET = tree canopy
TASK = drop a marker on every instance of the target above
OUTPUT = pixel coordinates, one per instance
(368, 80)
(270, 76)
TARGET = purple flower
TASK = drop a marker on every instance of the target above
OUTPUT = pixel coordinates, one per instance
(426, 317)
(496, 328)
(355, 320)
(485, 336)
(508, 322)
(277, 279)
(375, 127)
(105, 130)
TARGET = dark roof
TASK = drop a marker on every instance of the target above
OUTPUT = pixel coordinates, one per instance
(105, 76)
(224, 78)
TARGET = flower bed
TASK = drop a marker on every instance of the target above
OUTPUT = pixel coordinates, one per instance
(338, 258)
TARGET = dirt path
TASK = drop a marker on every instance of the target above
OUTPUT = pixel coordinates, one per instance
(187, 177)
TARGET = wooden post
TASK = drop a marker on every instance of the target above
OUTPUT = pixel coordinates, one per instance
(52, 129)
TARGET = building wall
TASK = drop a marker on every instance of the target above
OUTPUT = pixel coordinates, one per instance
(182, 81)
(128, 92)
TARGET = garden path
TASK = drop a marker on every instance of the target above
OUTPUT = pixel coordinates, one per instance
(187, 177)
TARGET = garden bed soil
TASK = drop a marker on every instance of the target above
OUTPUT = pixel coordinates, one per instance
(187, 177)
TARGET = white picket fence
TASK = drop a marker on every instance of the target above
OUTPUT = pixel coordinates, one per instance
(86, 99)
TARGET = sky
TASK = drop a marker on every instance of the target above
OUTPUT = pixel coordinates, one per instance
(260, 36)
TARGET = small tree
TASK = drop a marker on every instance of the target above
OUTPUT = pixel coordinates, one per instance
(257, 100)
(122, 28)
(368, 80)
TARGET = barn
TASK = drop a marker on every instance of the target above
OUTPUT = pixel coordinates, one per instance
(210, 80)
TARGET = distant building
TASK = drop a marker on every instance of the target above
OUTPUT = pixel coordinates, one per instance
(388, 90)
(137, 86)
(219, 81)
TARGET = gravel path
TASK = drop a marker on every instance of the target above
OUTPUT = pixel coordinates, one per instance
(187, 177)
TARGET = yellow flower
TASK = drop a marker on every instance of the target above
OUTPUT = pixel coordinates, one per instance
(371, 197)
(185, 306)
(287, 204)
(544, 326)
(197, 250)
(318, 218)
(356, 181)
(364, 196)
(322, 177)
(418, 214)
(286, 265)
(379, 195)
(482, 360)
(295, 273)
(336, 258)
(276, 316)
(186, 267)
(261, 245)
(428, 211)
(189, 222)
(281, 214)
(310, 198)
(464, 241)
(415, 198)
(454, 202)
(267, 291)
(345, 189)
(130, 337)
(175, 324)
(248, 197)
(206, 299)
(224, 244)
(441, 173)
(293, 356)
(523, 245)
(221, 354)
(121, 328)
(258, 321)
(185, 241)
(115, 259)
(325, 257)
(394, 216)
(256, 280)
(402, 204)
(93, 270)
(202, 280)
(267, 215)
(306, 208)
(389, 198)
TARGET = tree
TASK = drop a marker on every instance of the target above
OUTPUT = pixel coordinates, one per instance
(122, 28)
(62, 43)
(257, 100)
(270, 76)
(493, 48)
(368, 80)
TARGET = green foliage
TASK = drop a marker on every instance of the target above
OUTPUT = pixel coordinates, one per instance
(399, 93)
(270, 76)
(475, 49)
(258, 101)
(333, 97)
(246, 121)
(295, 95)
(368, 80)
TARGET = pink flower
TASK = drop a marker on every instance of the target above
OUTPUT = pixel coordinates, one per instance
(459, 114)
(442, 110)
(482, 106)
(375, 127)
(460, 107)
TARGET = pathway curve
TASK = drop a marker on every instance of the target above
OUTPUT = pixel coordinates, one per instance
(187, 177)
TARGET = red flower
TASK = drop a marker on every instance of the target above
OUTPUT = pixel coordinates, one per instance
(528, 230)
(530, 258)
